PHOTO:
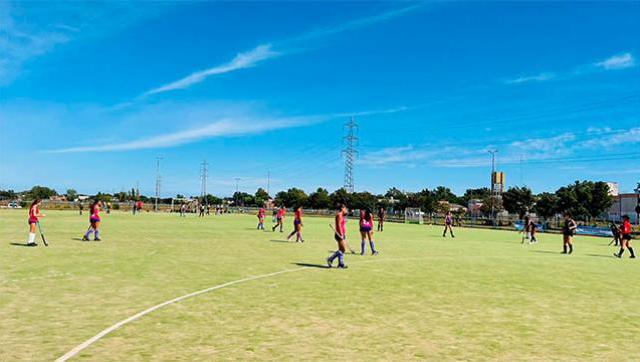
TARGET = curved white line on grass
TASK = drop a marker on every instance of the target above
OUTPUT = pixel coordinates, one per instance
(72, 353)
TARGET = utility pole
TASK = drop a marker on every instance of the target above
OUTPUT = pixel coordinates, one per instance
(637, 204)
(158, 181)
(204, 174)
(493, 188)
(238, 179)
(268, 181)
(350, 153)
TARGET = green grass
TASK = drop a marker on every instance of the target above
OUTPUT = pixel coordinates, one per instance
(481, 296)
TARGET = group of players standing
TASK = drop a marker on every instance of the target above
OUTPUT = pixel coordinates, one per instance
(35, 215)
(366, 224)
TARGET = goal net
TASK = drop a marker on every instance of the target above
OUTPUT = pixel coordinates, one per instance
(413, 215)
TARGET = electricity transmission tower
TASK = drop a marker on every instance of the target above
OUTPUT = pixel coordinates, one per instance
(350, 153)
(204, 174)
(158, 181)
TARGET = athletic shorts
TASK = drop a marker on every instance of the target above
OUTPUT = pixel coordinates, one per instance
(338, 237)
(93, 219)
(626, 237)
(296, 222)
(278, 219)
(31, 221)
(365, 229)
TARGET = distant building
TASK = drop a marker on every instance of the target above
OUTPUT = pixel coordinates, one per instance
(474, 207)
(624, 204)
(58, 198)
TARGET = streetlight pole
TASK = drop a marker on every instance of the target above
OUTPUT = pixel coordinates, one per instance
(637, 205)
(493, 190)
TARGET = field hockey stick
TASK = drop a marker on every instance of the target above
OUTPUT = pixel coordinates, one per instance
(343, 239)
(42, 234)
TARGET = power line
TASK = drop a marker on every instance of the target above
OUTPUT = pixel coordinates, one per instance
(350, 153)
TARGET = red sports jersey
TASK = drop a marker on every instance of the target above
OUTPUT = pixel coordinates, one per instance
(342, 224)
(34, 211)
(281, 213)
(95, 212)
(298, 214)
(626, 227)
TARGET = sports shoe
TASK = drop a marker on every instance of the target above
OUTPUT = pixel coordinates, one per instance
(617, 255)
(632, 257)
(97, 239)
(374, 253)
(329, 262)
(32, 244)
(342, 266)
(84, 238)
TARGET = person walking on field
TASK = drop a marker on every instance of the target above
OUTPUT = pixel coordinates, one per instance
(625, 238)
(448, 225)
(280, 219)
(34, 215)
(568, 231)
(261, 213)
(297, 226)
(340, 234)
(382, 214)
(94, 222)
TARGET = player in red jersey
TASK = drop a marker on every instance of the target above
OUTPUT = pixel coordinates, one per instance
(625, 238)
(94, 222)
(297, 226)
(340, 234)
(261, 214)
(34, 215)
(279, 219)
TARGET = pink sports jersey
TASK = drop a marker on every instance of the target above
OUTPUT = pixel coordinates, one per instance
(261, 213)
(298, 215)
(281, 213)
(95, 212)
(342, 222)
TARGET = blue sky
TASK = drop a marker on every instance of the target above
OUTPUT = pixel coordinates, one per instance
(91, 93)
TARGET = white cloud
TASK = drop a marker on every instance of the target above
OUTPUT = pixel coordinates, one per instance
(620, 61)
(531, 78)
(242, 60)
(219, 128)
(264, 52)
(402, 155)
(552, 145)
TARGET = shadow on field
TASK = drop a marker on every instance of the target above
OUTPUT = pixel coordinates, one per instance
(610, 256)
(279, 241)
(319, 266)
(22, 244)
(546, 252)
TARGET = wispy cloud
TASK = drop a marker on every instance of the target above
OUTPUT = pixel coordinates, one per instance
(620, 61)
(261, 53)
(242, 60)
(219, 128)
(531, 78)
(615, 62)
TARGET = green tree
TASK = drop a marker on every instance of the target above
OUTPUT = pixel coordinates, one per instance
(476, 194)
(319, 199)
(427, 201)
(340, 196)
(518, 200)
(41, 192)
(212, 200)
(261, 197)
(442, 193)
(547, 205)
(363, 201)
(8, 194)
(584, 199)
(71, 195)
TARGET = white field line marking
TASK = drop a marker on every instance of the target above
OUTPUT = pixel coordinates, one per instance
(72, 353)
(116, 326)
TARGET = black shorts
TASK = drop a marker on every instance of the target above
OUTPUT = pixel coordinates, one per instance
(338, 237)
(626, 237)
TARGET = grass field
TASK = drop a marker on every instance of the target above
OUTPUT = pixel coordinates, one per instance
(482, 296)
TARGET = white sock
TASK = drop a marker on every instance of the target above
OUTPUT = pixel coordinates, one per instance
(32, 238)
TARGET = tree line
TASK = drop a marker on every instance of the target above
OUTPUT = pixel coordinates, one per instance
(583, 199)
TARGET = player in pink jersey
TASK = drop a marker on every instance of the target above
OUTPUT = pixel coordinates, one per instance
(34, 215)
(340, 234)
(297, 226)
(280, 219)
(366, 231)
(94, 222)
(261, 214)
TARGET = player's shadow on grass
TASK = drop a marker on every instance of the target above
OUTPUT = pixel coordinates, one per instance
(307, 265)
(279, 241)
(22, 244)
(77, 239)
(601, 256)
(545, 252)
